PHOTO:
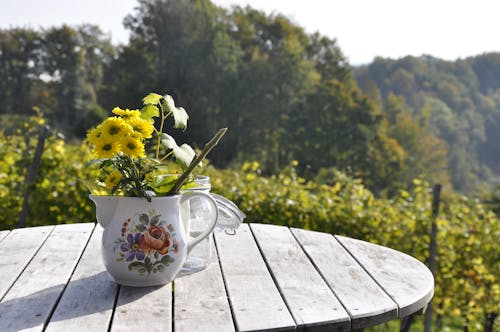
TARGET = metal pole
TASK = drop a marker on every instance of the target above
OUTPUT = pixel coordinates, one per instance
(31, 174)
(433, 249)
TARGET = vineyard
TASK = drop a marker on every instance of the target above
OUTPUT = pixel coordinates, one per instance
(467, 261)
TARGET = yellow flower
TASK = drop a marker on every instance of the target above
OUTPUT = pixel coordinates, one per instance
(133, 147)
(142, 127)
(113, 179)
(115, 127)
(106, 147)
(94, 135)
(126, 113)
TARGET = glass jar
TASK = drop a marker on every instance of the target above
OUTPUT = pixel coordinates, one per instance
(230, 218)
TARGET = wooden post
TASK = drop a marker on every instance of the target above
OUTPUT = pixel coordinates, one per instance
(433, 249)
(30, 178)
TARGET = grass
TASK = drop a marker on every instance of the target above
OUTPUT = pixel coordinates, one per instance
(418, 326)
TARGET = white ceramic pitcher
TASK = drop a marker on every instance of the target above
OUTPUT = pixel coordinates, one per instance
(146, 243)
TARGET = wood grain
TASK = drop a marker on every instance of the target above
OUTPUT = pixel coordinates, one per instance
(30, 301)
(404, 278)
(361, 296)
(201, 303)
(3, 234)
(256, 302)
(17, 249)
(88, 301)
(143, 309)
(310, 300)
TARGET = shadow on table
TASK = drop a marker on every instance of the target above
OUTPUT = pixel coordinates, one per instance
(82, 297)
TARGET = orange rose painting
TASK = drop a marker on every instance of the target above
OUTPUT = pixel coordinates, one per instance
(156, 238)
(145, 244)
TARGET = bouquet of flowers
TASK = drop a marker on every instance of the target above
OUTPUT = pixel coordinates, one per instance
(131, 149)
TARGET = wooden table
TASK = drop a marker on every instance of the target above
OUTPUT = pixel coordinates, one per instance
(264, 278)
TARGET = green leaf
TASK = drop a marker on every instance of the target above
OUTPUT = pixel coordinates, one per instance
(166, 260)
(147, 261)
(148, 112)
(190, 184)
(180, 115)
(163, 180)
(141, 227)
(144, 219)
(161, 267)
(152, 98)
(164, 183)
(184, 154)
(155, 220)
(136, 265)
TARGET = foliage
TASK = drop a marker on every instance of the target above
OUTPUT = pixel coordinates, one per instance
(59, 196)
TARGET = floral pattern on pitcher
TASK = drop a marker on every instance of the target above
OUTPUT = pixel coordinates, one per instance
(146, 244)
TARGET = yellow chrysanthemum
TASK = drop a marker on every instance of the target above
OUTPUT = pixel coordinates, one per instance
(115, 127)
(113, 179)
(133, 147)
(106, 147)
(126, 113)
(94, 135)
(142, 127)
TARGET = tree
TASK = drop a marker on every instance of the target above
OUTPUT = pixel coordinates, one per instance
(275, 76)
(190, 56)
(74, 60)
(19, 68)
(426, 154)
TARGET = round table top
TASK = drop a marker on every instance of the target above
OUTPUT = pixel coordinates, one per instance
(263, 278)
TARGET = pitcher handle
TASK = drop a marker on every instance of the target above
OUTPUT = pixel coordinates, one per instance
(214, 213)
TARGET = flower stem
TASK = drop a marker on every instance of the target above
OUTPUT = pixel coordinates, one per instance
(166, 155)
(160, 131)
(196, 160)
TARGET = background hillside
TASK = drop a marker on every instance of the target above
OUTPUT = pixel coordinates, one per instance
(458, 102)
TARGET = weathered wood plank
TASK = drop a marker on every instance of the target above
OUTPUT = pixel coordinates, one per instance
(143, 309)
(30, 301)
(3, 234)
(310, 300)
(256, 302)
(88, 301)
(16, 251)
(201, 303)
(404, 278)
(363, 299)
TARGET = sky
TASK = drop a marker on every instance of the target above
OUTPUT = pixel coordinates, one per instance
(364, 29)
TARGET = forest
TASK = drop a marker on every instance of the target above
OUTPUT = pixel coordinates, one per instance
(313, 142)
(285, 94)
